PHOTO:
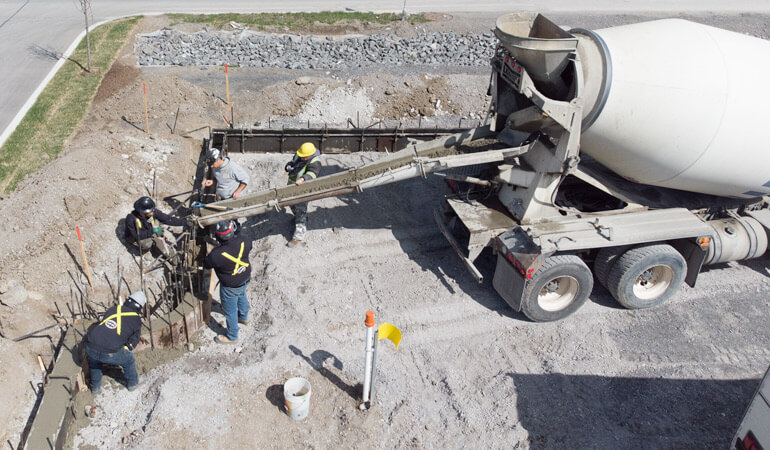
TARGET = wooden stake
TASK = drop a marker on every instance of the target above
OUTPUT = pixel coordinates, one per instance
(227, 85)
(85, 261)
(146, 116)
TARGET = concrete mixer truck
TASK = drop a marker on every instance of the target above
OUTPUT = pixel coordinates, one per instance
(637, 151)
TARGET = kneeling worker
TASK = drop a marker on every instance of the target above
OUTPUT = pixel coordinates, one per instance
(230, 261)
(113, 340)
(305, 166)
(143, 226)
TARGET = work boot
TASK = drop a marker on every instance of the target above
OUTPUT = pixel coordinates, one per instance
(222, 339)
(293, 243)
(243, 321)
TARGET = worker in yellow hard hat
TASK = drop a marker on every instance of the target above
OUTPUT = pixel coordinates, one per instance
(304, 166)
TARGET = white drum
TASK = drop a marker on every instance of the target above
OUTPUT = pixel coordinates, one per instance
(680, 105)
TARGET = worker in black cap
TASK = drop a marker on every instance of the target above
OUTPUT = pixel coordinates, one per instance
(143, 226)
(230, 261)
(113, 340)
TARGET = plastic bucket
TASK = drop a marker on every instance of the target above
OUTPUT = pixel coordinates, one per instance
(296, 394)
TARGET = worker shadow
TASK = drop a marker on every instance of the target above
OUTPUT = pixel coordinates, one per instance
(627, 412)
(317, 360)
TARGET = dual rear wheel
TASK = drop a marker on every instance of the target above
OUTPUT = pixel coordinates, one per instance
(639, 277)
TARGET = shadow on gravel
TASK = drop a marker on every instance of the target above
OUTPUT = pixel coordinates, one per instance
(406, 209)
(317, 360)
(576, 411)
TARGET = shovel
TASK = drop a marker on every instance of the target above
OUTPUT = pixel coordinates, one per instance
(214, 207)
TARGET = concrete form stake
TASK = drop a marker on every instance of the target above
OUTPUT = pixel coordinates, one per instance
(146, 116)
(85, 261)
(227, 85)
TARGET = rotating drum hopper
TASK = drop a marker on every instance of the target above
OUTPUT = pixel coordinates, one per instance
(541, 47)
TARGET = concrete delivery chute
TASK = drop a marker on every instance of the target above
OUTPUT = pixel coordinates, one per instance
(635, 150)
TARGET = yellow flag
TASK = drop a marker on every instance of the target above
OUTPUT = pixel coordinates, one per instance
(388, 331)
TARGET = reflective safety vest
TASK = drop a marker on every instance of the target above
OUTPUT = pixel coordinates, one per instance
(304, 168)
(151, 220)
(237, 261)
(118, 318)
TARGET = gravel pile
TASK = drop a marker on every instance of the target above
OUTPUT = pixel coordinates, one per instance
(248, 49)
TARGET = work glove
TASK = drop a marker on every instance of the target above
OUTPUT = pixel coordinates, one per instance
(157, 231)
(288, 167)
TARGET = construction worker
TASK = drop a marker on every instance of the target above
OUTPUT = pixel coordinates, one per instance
(304, 166)
(230, 261)
(231, 178)
(143, 226)
(113, 339)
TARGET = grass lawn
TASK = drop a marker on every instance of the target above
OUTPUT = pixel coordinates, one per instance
(293, 21)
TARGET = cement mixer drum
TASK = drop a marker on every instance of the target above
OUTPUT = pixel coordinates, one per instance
(686, 107)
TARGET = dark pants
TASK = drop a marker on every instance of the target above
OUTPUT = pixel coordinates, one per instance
(300, 220)
(122, 358)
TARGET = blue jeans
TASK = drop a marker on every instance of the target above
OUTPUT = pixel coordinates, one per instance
(235, 305)
(122, 358)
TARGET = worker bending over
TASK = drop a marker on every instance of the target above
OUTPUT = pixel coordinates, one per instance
(231, 178)
(230, 261)
(113, 339)
(143, 227)
(304, 166)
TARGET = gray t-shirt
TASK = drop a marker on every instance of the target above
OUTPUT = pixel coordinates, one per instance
(229, 177)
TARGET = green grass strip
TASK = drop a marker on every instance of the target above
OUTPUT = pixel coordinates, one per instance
(293, 21)
(61, 106)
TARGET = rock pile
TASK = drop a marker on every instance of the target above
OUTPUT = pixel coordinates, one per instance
(248, 49)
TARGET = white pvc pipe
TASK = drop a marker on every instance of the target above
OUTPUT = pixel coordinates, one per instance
(369, 355)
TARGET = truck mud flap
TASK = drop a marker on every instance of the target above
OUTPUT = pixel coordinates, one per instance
(508, 282)
(437, 214)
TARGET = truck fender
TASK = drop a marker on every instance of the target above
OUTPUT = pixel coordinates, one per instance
(508, 282)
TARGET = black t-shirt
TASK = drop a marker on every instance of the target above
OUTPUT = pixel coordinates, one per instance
(230, 261)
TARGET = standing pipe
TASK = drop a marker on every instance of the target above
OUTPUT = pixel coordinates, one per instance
(369, 322)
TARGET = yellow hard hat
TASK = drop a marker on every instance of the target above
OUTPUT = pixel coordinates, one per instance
(306, 150)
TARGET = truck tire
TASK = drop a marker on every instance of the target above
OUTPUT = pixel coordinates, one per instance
(557, 289)
(646, 276)
(605, 259)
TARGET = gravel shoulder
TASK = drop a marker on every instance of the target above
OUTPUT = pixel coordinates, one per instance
(469, 371)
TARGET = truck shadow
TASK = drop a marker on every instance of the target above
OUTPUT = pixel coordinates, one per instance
(406, 209)
(586, 411)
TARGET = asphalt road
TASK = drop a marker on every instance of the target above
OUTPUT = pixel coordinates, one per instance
(34, 34)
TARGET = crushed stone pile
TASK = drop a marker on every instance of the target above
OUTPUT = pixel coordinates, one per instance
(169, 47)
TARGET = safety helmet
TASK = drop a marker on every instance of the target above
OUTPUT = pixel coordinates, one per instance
(144, 205)
(225, 230)
(213, 155)
(138, 297)
(306, 150)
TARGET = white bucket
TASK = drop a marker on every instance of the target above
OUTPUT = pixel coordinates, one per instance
(296, 394)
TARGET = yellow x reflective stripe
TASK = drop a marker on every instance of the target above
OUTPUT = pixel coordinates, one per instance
(118, 316)
(237, 261)
(139, 222)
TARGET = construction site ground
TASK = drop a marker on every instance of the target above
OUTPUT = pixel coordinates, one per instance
(469, 372)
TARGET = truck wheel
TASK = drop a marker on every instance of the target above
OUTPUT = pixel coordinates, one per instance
(605, 259)
(557, 289)
(646, 276)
